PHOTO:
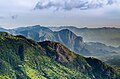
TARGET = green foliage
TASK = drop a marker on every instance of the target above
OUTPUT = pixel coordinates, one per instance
(22, 58)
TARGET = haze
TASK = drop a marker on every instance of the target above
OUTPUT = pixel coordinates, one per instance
(80, 13)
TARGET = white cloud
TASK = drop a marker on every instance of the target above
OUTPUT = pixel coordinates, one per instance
(71, 4)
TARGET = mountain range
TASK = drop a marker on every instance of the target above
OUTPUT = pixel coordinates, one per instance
(22, 58)
(68, 37)
(107, 35)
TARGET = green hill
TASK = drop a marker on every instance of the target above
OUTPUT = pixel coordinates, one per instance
(22, 58)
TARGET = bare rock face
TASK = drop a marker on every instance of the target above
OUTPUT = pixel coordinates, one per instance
(69, 39)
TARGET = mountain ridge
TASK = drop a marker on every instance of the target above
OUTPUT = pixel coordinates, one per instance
(24, 58)
(106, 35)
(67, 37)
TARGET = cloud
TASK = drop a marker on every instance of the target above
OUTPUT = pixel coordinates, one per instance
(71, 4)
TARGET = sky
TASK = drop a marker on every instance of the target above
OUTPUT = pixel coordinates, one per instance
(80, 13)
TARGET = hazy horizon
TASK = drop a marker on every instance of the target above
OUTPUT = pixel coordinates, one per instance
(80, 13)
(14, 27)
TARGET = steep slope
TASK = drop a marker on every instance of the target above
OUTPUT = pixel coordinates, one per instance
(87, 65)
(70, 40)
(67, 38)
(22, 58)
(108, 36)
(36, 33)
(40, 33)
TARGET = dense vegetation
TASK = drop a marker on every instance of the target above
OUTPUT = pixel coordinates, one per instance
(22, 58)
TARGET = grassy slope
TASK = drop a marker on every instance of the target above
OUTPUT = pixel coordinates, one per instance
(21, 58)
(24, 59)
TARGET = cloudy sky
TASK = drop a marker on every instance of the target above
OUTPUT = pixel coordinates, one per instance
(80, 13)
